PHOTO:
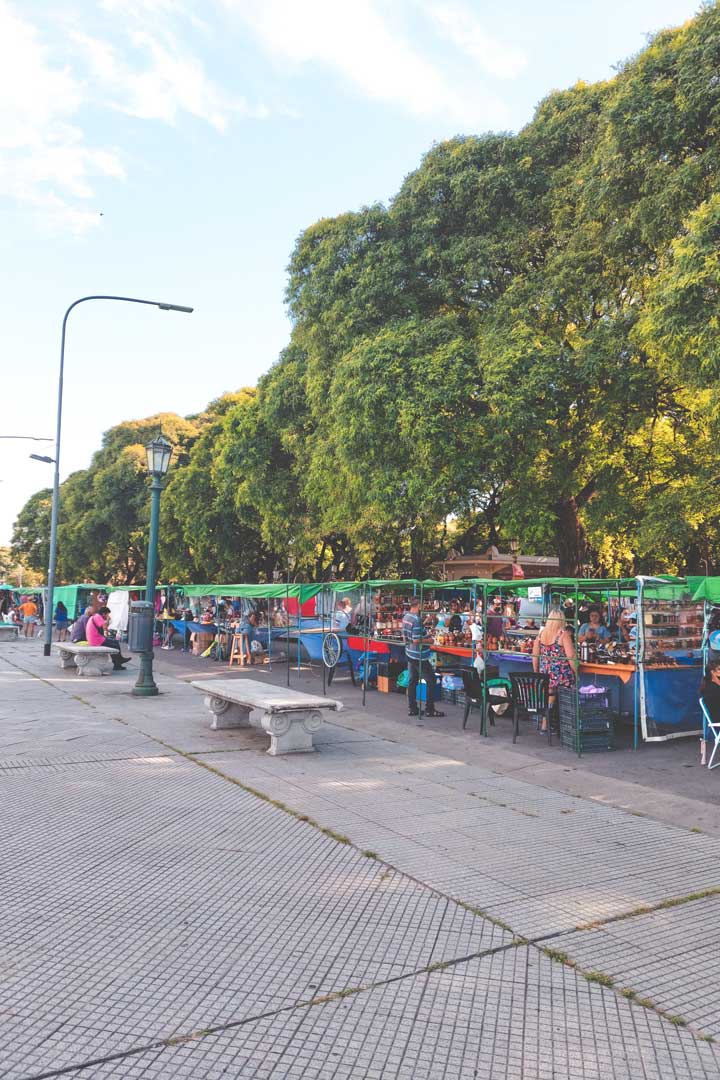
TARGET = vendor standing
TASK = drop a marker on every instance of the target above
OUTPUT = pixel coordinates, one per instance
(342, 614)
(495, 623)
(594, 629)
(418, 654)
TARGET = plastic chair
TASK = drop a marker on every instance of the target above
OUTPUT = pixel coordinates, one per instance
(473, 685)
(709, 723)
(532, 694)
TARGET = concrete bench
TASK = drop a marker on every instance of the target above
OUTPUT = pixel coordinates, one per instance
(290, 717)
(9, 631)
(88, 659)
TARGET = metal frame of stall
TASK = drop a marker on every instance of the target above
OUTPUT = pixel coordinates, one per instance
(270, 591)
(366, 587)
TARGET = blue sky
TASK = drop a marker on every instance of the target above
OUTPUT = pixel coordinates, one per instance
(175, 149)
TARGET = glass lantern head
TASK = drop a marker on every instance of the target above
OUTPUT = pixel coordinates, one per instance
(159, 452)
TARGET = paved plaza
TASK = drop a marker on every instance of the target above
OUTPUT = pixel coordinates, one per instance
(404, 903)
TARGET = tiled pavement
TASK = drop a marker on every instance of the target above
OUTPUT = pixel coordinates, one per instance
(145, 898)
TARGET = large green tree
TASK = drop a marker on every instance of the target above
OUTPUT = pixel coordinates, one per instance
(31, 532)
(524, 341)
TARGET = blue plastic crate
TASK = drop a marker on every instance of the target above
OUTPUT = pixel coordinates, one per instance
(421, 694)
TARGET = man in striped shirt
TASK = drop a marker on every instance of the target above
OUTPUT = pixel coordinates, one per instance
(418, 657)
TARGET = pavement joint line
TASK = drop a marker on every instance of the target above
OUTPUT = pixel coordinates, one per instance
(592, 975)
(646, 909)
(557, 956)
(80, 761)
(231, 1025)
(331, 833)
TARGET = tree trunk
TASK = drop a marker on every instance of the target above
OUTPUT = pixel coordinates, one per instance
(569, 538)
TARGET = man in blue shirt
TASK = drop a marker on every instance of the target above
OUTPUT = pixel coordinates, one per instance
(418, 657)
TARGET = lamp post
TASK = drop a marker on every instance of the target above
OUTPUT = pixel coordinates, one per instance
(159, 452)
(56, 480)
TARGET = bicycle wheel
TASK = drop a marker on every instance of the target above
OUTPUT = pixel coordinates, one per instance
(331, 650)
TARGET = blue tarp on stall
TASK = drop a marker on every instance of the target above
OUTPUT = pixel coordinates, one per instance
(671, 701)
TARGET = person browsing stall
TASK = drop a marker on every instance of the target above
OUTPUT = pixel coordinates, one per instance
(710, 689)
(61, 620)
(554, 654)
(29, 611)
(418, 653)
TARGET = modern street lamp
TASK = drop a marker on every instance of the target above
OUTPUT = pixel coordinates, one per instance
(56, 480)
(44, 458)
(159, 452)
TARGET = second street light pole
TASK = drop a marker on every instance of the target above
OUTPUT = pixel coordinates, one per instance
(56, 478)
(145, 684)
(159, 452)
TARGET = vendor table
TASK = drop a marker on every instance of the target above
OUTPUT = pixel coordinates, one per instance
(196, 627)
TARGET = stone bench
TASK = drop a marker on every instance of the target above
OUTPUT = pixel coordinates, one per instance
(88, 659)
(9, 631)
(290, 717)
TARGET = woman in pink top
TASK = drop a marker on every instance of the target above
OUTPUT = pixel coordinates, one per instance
(95, 633)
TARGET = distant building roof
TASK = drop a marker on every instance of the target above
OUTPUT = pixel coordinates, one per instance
(494, 563)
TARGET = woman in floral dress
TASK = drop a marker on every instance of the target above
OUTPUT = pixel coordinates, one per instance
(554, 654)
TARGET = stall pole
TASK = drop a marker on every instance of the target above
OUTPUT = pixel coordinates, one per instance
(299, 629)
(287, 623)
(420, 662)
(480, 647)
(638, 674)
(269, 636)
(323, 598)
(485, 654)
(366, 619)
(578, 723)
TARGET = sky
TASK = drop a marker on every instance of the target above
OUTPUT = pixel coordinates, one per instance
(174, 150)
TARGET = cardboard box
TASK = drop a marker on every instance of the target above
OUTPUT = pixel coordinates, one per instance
(386, 685)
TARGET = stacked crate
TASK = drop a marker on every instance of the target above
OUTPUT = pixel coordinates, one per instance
(595, 723)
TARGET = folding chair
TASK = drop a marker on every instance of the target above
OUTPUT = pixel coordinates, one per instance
(715, 729)
(532, 694)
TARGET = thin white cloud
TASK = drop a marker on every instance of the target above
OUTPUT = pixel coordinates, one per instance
(459, 25)
(167, 82)
(44, 158)
(370, 49)
(148, 59)
(49, 84)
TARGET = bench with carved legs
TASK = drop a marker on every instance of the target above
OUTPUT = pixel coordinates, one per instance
(290, 717)
(88, 659)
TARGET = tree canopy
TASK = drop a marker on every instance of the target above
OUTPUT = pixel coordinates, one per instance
(524, 342)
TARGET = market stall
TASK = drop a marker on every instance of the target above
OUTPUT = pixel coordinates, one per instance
(649, 663)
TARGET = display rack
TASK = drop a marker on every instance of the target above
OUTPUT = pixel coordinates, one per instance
(669, 629)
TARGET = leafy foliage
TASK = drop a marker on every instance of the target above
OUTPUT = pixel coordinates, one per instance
(524, 342)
